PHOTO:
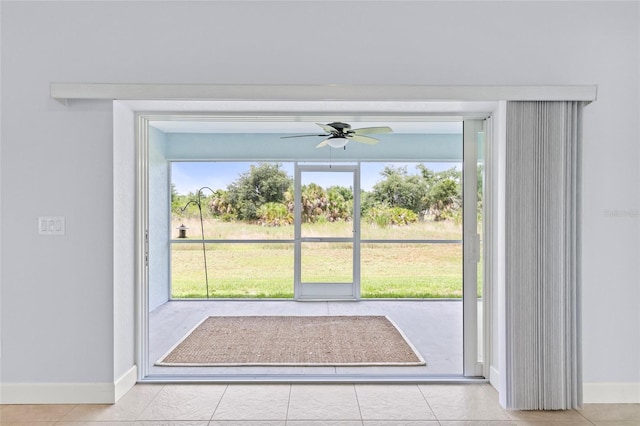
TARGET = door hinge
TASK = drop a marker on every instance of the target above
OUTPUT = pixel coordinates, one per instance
(146, 247)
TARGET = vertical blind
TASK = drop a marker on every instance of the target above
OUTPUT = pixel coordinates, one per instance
(543, 255)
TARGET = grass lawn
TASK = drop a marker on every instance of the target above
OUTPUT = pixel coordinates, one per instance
(266, 270)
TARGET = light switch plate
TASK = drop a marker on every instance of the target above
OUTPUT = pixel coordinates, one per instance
(51, 225)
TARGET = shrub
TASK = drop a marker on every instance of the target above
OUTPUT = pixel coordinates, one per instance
(228, 217)
(274, 214)
(383, 215)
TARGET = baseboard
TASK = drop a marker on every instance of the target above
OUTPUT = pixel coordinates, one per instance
(125, 382)
(611, 393)
(57, 393)
(68, 393)
(594, 393)
(494, 377)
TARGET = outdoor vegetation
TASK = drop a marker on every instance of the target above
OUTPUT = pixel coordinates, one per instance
(259, 205)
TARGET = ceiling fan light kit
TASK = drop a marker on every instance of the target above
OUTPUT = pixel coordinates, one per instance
(337, 142)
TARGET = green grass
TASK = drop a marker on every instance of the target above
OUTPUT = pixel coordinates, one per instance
(266, 270)
(219, 230)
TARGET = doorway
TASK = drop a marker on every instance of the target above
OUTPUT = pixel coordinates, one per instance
(319, 274)
(327, 259)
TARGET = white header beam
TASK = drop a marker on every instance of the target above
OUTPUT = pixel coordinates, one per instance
(68, 91)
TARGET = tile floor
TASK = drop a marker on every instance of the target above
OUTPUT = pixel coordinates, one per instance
(310, 404)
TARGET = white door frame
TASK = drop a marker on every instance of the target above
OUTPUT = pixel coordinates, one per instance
(471, 247)
(327, 291)
(137, 113)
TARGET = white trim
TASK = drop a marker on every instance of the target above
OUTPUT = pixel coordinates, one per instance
(124, 383)
(124, 263)
(488, 250)
(69, 393)
(610, 393)
(498, 235)
(141, 203)
(58, 393)
(494, 378)
(62, 92)
(317, 291)
(471, 247)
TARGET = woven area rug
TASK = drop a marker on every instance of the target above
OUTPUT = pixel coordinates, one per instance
(293, 341)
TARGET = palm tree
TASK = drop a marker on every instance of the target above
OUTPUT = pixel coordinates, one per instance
(314, 202)
(338, 208)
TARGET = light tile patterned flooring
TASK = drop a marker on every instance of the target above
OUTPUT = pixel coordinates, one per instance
(312, 405)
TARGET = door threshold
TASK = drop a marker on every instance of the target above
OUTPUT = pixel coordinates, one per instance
(316, 379)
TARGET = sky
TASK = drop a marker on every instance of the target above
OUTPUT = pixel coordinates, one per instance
(191, 176)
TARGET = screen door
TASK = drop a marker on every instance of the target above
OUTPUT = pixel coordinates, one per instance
(327, 229)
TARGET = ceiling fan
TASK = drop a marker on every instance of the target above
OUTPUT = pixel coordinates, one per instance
(339, 134)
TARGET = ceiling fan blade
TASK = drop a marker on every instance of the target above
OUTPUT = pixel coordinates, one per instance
(363, 139)
(299, 136)
(323, 143)
(327, 128)
(370, 130)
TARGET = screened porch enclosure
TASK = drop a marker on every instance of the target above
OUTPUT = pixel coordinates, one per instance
(244, 221)
(211, 237)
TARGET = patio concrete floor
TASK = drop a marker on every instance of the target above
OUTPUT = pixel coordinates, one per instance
(434, 328)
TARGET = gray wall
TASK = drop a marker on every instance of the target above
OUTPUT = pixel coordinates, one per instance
(57, 313)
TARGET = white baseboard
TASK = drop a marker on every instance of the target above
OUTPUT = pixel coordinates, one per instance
(125, 382)
(494, 377)
(611, 393)
(594, 393)
(68, 393)
(57, 393)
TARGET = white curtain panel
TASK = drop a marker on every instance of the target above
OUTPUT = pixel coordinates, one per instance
(543, 255)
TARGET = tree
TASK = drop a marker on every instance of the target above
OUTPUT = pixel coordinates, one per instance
(182, 206)
(442, 198)
(314, 202)
(264, 183)
(340, 203)
(444, 193)
(399, 189)
(176, 200)
(219, 204)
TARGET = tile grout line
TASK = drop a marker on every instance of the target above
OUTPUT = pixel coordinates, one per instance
(219, 402)
(57, 419)
(428, 405)
(148, 403)
(286, 415)
(584, 417)
(355, 391)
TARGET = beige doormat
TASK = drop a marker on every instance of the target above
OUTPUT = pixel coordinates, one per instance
(293, 341)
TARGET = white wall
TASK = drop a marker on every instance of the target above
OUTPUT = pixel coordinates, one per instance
(57, 292)
(159, 286)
